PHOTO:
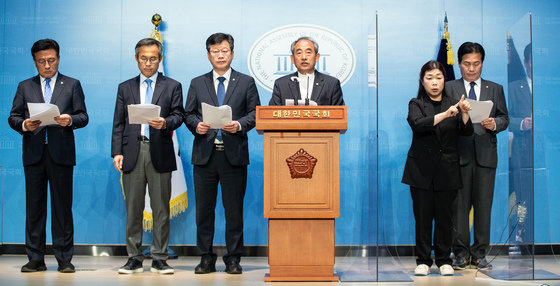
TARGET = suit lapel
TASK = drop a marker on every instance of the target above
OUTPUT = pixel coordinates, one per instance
(318, 85)
(484, 92)
(231, 85)
(38, 94)
(159, 88)
(135, 90)
(58, 87)
(211, 89)
(294, 87)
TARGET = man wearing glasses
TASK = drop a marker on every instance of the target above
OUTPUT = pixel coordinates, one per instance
(49, 156)
(144, 154)
(220, 155)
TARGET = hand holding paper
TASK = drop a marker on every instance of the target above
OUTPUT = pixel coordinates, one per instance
(480, 110)
(44, 112)
(216, 117)
(142, 113)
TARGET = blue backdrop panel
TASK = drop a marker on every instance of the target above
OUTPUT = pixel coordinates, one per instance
(97, 41)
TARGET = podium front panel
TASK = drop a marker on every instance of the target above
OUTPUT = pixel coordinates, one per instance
(301, 175)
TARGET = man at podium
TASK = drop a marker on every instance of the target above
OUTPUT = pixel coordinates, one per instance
(307, 86)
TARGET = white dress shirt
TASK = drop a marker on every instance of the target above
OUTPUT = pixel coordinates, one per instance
(467, 84)
(143, 87)
(43, 84)
(303, 84)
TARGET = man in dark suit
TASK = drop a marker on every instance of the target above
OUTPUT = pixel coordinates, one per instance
(220, 155)
(49, 156)
(144, 154)
(307, 84)
(478, 159)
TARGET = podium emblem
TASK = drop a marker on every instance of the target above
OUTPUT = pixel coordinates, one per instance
(301, 164)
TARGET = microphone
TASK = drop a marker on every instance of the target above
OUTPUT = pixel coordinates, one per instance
(295, 79)
(307, 91)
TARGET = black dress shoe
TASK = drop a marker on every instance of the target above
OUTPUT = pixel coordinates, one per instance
(66, 267)
(161, 267)
(233, 267)
(34, 266)
(133, 265)
(460, 263)
(205, 267)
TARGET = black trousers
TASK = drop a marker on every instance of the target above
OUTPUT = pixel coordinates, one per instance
(59, 178)
(233, 181)
(478, 192)
(430, 206)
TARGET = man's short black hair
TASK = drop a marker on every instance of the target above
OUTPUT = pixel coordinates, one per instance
(148, 42)
(217, 38)
(469, 48)
(45, 44)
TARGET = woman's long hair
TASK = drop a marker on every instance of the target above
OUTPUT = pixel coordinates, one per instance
(431, 65)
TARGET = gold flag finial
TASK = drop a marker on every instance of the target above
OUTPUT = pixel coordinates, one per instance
(156, 20)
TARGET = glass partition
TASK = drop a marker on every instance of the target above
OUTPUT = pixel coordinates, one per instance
(360, 262)
(516, 260)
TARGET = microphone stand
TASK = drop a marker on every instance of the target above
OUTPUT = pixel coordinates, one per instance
(307, 91)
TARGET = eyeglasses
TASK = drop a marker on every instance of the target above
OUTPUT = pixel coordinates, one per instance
(151, 60)
(44, 61)
(217, 52)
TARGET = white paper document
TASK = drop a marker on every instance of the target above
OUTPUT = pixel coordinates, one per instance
(217, 117)
(142, 113)
(45, 112)
(290, 102)
(480, 110)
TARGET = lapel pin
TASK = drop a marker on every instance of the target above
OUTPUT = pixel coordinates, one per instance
(61, 82)
(316, 83)
(486, 86)
(233, 79)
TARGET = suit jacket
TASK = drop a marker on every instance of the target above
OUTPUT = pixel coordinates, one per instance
(326, 90)
(242, 96)
(484, 140)
(69, 97)
(168, 94)
(433, 156)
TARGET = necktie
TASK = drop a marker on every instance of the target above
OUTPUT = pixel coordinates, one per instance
(472, 95)
(48, 91)
(221, 93)
(48, 96)
(149, 94)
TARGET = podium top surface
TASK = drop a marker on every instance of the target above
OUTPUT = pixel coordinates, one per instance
(301, 118)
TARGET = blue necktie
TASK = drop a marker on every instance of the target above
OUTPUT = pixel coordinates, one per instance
(149, 94)
(221, 93)
(48, 91)
(472, 95)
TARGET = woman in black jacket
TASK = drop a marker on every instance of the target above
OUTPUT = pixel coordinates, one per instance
(432, 166)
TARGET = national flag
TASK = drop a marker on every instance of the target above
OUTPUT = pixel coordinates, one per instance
(445, 54)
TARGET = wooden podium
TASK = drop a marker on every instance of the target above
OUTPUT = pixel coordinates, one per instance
(301, 188)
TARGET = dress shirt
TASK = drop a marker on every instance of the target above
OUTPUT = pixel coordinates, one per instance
(43, 84)
(302, 79)
(467, 84)
(477, 82)
(227, 76)
(143, 86)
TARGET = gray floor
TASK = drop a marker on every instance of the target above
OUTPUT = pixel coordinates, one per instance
(103, 271)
